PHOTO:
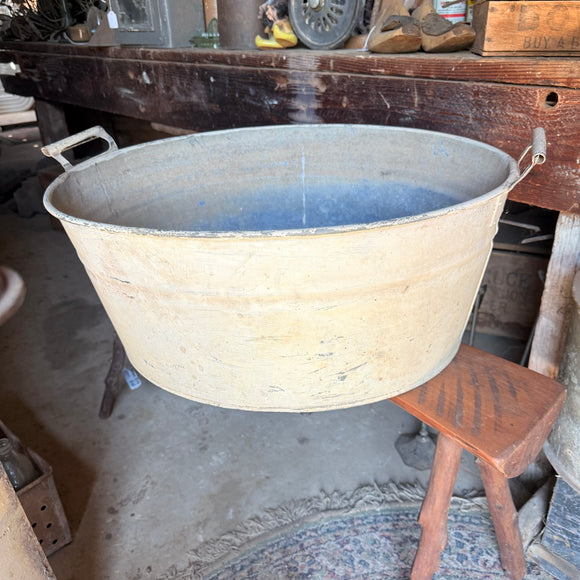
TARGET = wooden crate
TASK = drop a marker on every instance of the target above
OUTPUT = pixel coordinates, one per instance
(527, 28)
(41, 502)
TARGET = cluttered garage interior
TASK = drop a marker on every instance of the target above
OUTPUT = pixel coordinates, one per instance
(289, 289)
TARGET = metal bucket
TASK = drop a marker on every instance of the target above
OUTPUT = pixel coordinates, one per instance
(287, 268)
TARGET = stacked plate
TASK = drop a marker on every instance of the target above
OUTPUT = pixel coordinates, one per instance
(12, 103)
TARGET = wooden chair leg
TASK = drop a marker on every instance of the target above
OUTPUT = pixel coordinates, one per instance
(505, 520)
(113, 382)
(435, 508)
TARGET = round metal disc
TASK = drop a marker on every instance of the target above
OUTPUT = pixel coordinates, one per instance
(324, 24)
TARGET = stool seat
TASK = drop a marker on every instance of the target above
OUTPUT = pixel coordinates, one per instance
(500, 412)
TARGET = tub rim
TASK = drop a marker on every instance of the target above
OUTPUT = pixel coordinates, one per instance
(505, 187)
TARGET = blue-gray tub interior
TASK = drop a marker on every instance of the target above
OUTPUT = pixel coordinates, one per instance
(281, 178)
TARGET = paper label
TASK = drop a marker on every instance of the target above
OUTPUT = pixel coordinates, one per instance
(112, 18)
(132, 378)
(452, 10)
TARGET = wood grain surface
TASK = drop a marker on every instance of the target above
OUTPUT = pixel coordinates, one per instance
(497, 410)
(497, 100)
(556, 308)
(505, 520)
(435, 509)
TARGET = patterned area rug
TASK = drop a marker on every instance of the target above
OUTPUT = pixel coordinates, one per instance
(370, 534)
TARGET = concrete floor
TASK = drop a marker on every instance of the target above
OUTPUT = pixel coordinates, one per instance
(163, 474)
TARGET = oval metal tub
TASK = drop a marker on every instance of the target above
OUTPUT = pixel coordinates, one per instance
(288, 268)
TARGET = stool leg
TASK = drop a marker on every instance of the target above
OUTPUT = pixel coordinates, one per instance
(435, 508)
(505, 520)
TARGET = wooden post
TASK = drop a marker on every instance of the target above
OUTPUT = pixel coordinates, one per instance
(51, 121)
(554, 317)
(210, 11)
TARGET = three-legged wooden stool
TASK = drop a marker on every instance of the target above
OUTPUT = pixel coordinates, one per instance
(501, 413)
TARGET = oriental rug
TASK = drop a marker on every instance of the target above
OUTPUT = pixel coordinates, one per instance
(371, 533)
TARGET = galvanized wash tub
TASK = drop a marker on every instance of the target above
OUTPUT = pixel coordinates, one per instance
(287, 268)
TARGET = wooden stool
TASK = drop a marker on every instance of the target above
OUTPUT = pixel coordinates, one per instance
(500, 412)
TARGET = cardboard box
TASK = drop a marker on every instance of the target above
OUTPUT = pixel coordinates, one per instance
(513, 293)
(527, 28)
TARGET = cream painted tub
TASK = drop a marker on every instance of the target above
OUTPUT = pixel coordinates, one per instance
(287, 268)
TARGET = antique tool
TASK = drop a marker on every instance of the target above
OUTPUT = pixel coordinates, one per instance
(324, 24)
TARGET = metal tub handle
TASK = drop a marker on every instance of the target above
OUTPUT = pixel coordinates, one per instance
(538, 155)
(57, 149)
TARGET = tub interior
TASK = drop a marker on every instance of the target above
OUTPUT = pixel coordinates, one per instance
(281, 178)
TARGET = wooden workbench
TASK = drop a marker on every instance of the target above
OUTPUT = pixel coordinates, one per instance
(498, 100)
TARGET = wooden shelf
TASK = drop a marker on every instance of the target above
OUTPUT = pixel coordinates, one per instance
(547, 71)
(498, 100)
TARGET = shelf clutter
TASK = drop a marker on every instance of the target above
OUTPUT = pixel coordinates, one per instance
(486, 27)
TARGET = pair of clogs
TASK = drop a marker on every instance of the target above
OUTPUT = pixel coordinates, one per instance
(398, 31)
